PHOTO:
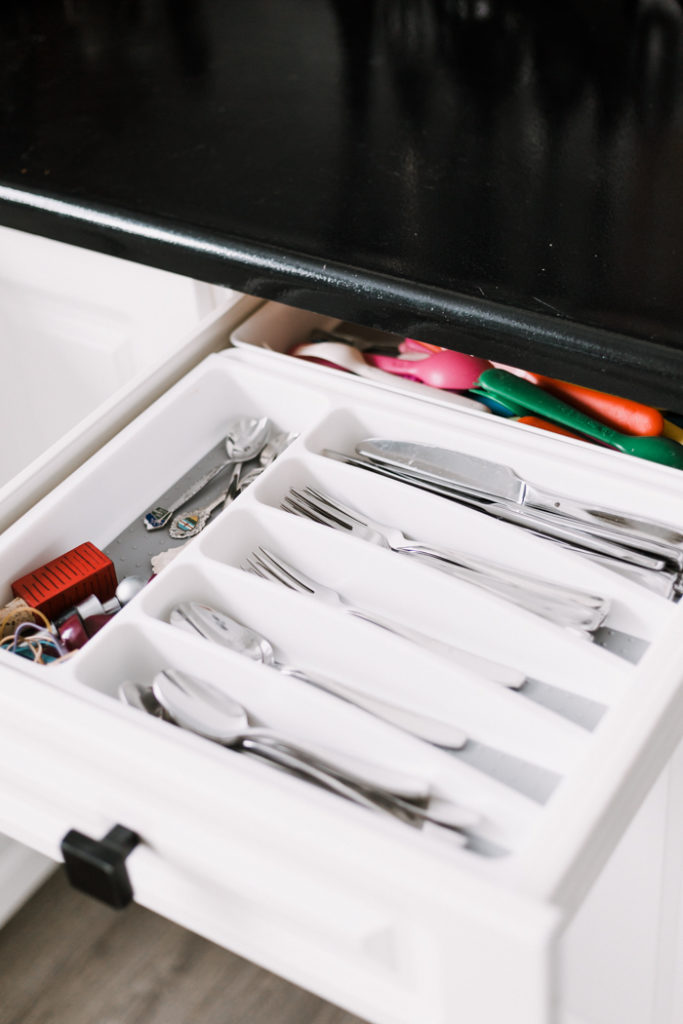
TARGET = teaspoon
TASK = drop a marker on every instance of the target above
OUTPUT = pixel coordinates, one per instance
(221, 628)
(245, 439)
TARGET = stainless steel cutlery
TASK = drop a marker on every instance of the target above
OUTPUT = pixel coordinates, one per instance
(215, 625)
(498, 491)
(267, 564)
(565, 606)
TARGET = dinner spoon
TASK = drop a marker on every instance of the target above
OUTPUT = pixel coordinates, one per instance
(221, 628)
(191, 717)
(245, 438)
(208, 711)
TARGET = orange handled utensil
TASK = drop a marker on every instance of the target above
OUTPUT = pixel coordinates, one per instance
(622, 414)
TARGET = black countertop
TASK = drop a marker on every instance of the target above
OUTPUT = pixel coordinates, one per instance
(510, 170)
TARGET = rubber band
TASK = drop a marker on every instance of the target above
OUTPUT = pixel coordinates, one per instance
(18, 612)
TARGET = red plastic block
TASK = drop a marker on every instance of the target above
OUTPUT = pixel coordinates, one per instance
(66, 580)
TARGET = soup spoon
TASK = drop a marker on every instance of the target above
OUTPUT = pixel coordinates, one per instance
(245, 439)
(226, 631)
(209, 712)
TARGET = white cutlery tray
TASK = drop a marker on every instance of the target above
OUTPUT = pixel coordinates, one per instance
(283, 872)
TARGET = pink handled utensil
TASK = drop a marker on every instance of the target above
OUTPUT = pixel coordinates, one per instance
(451, 371)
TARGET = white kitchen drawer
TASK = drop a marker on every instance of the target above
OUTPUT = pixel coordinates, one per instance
(88, 340)
(395, 924)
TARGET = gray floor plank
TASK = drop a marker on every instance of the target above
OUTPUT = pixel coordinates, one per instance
(65, 959)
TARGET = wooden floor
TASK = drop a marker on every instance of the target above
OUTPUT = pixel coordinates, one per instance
(65, 959)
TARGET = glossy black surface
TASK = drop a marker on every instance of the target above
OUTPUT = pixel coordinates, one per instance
(511, 168)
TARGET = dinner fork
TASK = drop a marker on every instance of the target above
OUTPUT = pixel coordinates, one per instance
(562, 605)
(266, 564)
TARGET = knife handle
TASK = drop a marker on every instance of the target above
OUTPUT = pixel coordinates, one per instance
(649, 536)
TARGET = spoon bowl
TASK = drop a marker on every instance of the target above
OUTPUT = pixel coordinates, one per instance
(210, 712)
(247, 437)
(347, 357)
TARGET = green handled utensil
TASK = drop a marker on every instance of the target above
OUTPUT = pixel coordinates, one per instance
(508, 387)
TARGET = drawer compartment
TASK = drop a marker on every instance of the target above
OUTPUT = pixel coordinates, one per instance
(395, 922)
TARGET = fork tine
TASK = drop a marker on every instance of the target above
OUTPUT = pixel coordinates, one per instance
(325, 513)
(251, 566)
(306, 510)
(335, 504)
(269, 573)
(285, 572)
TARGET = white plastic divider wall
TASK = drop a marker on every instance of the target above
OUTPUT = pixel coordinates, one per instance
(172, 435)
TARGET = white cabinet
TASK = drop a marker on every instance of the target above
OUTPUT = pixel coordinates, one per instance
(397, 924)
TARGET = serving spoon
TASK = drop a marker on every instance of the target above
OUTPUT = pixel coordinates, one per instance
(246, 436)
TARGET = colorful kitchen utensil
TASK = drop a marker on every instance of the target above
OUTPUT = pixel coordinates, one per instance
(622, 414)
(451, 371)
(506, 385)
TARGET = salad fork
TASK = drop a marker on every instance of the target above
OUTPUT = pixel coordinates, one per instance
(562, 605)
(267, 565)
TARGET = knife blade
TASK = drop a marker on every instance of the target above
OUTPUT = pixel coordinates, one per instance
(492, 481)
(543, 524)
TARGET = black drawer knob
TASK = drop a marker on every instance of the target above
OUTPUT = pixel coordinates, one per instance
(98, 866)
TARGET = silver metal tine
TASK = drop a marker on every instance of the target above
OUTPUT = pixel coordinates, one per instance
(268, 572)
(251, 566)
(303, 506)
(325, 509)
(335, 505)
(297, 509)
(282, 571)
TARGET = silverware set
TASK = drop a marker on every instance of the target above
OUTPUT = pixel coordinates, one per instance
(208, 711)
(266, 564)
(483, 690)
(642, 549)
(562, 605)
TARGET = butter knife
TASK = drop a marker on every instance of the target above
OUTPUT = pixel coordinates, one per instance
(496, 482)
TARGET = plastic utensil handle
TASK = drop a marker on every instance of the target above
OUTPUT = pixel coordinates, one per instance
(554, 428)
(620, 413)
(413, 387)
(391, 364)
(500, 382)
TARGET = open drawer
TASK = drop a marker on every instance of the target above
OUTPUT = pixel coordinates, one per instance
(396, 923)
